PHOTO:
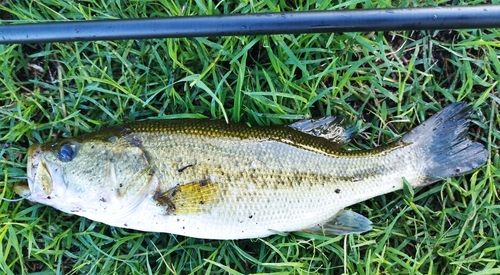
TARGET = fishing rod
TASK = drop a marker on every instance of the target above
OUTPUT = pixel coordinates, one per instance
(433, 18)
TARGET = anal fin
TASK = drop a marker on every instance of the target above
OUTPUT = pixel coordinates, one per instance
(343, 223)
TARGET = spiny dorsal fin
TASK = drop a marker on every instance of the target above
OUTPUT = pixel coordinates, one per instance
(343, 223)
(329, 127)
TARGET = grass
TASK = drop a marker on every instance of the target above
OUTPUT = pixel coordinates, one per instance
(393, 80)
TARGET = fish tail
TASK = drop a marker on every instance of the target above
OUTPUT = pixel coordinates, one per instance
(446, 150)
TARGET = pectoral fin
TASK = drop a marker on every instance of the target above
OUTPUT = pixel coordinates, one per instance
(344, 222)
(193, 197)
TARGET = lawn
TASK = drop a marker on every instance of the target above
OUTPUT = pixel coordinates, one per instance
(391, 81)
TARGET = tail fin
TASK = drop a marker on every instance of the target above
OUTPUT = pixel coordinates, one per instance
(443, 138)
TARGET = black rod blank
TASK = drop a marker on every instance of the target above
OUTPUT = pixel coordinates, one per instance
(456, 17)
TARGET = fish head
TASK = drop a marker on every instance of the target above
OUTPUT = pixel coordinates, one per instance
(89, 177)
(77, 176)
(62, 174)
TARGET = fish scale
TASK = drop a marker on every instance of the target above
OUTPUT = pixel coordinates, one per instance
(209, 179)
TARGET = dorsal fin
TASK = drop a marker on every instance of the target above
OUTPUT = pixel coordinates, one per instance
(329, 127)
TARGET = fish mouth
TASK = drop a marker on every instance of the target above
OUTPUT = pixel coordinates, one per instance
(39, 175)
(44, 173)
(24, 189)
(34, 154)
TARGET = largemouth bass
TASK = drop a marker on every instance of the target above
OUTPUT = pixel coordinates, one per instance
(208, 179)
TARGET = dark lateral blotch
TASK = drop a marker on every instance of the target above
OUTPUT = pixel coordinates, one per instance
(180, 170)
(203, 182)
(125, 130)
(135, 141)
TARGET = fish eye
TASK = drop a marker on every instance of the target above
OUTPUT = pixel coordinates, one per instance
(67, 152)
